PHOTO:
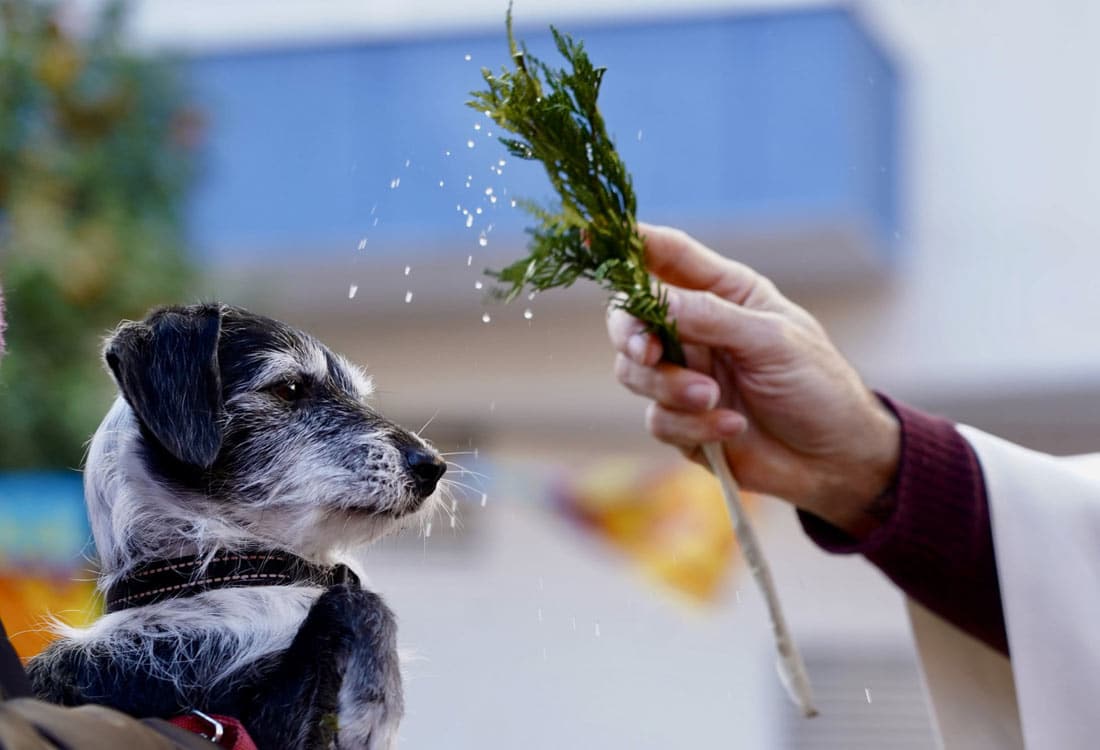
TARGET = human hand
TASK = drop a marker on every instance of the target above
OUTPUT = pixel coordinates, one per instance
(763, 379)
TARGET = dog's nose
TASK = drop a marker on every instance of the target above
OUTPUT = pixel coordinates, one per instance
(426, 467)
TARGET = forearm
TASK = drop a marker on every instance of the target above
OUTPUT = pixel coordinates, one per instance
(935, 542)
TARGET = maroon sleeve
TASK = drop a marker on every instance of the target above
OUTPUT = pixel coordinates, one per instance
(937, 542)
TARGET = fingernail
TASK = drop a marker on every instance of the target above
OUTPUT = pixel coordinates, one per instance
(636, 348)
(729, 424)
(702, 395)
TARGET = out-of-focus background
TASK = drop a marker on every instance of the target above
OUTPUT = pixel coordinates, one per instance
(922, 176)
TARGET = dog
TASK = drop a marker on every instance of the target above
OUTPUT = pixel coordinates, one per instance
(236, 471)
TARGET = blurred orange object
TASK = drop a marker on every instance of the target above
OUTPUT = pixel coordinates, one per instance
(44, 556)
(672, 521)
(26, 600)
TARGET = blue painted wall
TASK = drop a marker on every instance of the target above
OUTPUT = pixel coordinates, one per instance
(750, 121)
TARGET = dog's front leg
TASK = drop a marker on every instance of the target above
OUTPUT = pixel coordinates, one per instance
(371, 700)
(338, 684)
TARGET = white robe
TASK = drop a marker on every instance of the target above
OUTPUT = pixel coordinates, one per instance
(1046, 534)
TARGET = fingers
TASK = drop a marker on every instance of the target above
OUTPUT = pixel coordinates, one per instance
(628, 337)
(688, 430)
(707, 319)
(674, 387)
(679, 259)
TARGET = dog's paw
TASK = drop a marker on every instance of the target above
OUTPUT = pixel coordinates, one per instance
(370, 700)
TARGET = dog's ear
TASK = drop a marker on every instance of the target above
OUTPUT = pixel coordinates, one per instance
(167, 370)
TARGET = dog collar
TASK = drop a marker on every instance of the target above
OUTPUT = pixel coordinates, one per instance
(186, 576)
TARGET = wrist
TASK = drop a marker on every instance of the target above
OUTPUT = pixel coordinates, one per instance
(858, 494)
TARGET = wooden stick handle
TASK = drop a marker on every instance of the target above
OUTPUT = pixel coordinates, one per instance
(792, 671)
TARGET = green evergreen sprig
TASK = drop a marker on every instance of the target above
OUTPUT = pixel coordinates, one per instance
(592, 233)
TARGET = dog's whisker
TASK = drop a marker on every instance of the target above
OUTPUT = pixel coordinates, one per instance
(430, 420)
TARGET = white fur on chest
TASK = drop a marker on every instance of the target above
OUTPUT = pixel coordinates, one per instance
(226, 630)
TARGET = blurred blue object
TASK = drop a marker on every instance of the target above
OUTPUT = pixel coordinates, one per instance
(740, 126)
(43, 523)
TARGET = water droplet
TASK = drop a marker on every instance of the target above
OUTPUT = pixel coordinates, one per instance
(488, 191)
(458, 207)
(544, 656)
(477, 126)
(441, 183)
(489, 133)
(446, 153)
(408, 270)
(588, 151)
(428, 530)
(478, 285)
(469, 260)
(499, 171)
(484, 499)
(531, 296)
(597, 628)
(527, 314)
(469, 144)
(500, 163)
(454, 505)
(468, 57)
(395, 183)
(485, 318)
(542, 584)
(375, 222)
(469, 220)
(407, 163)
(352, 290)
(478, 211)
(373, 209)
(867, 692)
(483, 240)
(492, 199)
(363, 244)
(454, 519)
(408, 297)
(467, 185)
(513, 202)
(639, 135)
(574, 624)
(540, 614)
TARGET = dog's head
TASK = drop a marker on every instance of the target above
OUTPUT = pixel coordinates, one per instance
(244, 427)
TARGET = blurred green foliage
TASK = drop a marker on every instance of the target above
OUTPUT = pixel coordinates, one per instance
(95, 147)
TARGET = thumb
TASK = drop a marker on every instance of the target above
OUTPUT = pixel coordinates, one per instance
(707, 319)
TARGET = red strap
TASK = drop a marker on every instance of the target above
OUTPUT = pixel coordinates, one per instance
(235, 737)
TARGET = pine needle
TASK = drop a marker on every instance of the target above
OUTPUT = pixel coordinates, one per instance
(592, 233)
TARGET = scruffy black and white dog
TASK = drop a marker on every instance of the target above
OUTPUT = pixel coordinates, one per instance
(225, 488)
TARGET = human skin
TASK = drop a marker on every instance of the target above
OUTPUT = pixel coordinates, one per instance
(763, 378)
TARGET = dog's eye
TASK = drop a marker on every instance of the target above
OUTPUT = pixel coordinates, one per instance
(291, 390)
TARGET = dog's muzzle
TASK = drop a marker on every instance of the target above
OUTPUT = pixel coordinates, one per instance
(426, 467)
